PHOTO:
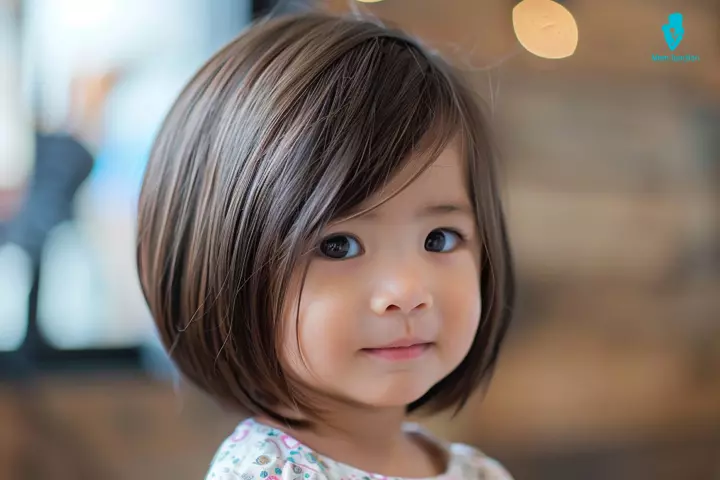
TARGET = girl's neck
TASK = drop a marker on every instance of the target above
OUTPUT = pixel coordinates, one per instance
(370, 440)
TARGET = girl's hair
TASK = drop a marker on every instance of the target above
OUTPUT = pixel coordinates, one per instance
(292, 125)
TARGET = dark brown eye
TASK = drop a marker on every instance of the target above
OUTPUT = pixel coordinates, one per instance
(442, 240)
(340, 247)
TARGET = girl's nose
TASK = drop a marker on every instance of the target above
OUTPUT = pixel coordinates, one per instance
(406, 292)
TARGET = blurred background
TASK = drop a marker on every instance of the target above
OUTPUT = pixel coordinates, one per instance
(612, 184)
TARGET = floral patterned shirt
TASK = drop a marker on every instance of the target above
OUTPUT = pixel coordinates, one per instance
(258, 452)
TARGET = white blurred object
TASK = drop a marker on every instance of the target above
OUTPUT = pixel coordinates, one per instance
(15, 133)
(89, 295)
(71, 293)
(15, 284)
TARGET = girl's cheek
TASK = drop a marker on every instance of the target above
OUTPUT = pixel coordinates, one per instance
(323, 333)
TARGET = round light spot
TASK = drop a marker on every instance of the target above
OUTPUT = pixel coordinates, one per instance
(545, 28)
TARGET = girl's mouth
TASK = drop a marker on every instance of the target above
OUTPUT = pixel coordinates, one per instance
(410, 352)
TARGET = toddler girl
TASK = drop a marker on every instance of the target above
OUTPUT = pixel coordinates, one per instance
(322, 246)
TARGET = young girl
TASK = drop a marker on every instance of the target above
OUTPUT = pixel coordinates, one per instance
(323, 248)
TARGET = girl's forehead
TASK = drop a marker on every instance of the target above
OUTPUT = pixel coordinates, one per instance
(446, 168)
(442, 182)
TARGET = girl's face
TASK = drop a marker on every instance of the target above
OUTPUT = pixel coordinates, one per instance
(404, 272)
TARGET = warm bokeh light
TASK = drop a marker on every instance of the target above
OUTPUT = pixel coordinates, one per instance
(545, 28)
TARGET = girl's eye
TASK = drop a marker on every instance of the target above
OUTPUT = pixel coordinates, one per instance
(340, 247)
(442, 240)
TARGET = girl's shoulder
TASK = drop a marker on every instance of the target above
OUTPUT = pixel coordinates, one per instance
(473, 463)
(464, 461)
(258, 452)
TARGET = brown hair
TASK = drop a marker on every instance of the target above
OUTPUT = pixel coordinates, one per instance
(293, 124)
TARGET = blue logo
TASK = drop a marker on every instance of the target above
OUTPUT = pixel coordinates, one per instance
(673, 30)
(674, 33)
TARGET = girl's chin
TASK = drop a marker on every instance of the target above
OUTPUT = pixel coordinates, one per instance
(400, 398)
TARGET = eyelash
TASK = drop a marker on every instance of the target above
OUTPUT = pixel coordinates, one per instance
(457, 232)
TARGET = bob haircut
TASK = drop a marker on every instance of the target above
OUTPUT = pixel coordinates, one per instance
(289, 127)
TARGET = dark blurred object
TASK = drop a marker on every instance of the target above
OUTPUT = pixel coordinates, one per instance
(62, 164)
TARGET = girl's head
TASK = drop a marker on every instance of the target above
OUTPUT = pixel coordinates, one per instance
(325, 186)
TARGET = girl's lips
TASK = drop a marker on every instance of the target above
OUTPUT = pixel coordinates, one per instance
(399, 353)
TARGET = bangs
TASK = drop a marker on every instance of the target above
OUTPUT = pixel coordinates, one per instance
(366, 130)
